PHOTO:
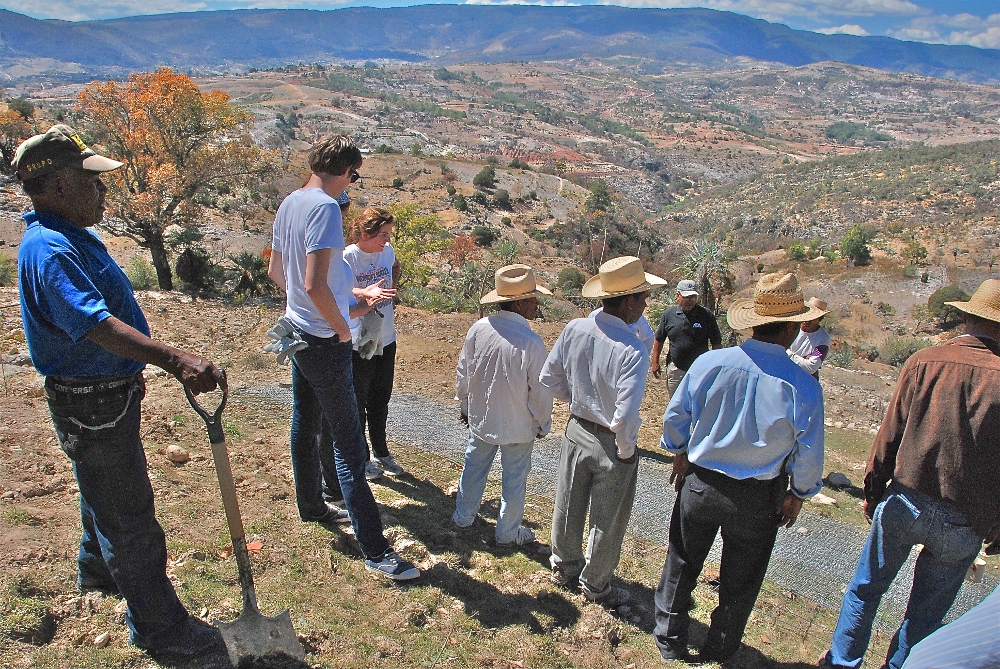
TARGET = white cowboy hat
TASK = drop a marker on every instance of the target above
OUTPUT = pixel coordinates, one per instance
(776, 298)
(514, 282)
(621, 276)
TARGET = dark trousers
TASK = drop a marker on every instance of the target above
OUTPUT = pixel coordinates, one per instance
(373, 389)
(323, 391)
(746, 512)
(123, 547)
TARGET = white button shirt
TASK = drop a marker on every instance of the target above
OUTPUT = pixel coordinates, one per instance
(497, 381)
(599, 366)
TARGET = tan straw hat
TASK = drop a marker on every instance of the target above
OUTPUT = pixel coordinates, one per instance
(819, 304)
(985, 303)
(514, 282)
(621, 276)
(776, 298)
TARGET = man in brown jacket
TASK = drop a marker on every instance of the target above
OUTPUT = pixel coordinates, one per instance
(940, 446)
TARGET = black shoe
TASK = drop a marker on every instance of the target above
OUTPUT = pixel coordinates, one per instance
(190, 638)
(706, 655)
(673, 653)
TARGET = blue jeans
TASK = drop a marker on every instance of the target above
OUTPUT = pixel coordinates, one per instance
(123, 545)
(516, 462)
(323, 387)
(903, 519)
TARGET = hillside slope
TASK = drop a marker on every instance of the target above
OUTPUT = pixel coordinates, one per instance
(457, 33)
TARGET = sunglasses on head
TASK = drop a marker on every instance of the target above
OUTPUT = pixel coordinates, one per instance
(354, 176)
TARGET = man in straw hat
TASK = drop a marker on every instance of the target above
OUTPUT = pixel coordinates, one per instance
(744, 422)
(599, 366)
(88, 336)
(503, 403)
(939, 444)
(812, 344)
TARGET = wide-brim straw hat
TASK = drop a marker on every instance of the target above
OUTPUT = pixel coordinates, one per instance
(819, 304)
(985, 303)
(621, 276)
(776, 298)
(514, 282)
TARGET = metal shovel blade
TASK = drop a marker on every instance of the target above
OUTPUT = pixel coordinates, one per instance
(256, 635)
(251, 634)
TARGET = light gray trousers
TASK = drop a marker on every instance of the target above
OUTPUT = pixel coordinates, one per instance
(591, 476)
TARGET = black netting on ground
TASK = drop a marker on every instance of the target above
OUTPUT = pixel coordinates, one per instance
(815, 559)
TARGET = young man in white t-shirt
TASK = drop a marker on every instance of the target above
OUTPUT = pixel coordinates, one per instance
(307, 261)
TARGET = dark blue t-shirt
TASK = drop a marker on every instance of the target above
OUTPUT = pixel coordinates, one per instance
(70, 283)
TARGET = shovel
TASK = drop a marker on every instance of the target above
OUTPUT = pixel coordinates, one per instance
(252, 633)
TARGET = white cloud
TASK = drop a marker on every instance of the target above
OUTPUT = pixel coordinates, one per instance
(846, 29)
(939, 29)
(82, 10)
(533, 3)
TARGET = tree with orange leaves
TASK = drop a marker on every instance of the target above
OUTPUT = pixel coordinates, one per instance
(177, 143)
(14, 128)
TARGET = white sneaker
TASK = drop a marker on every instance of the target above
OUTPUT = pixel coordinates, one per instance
(389, 466)
(524, 536)
(372, 471)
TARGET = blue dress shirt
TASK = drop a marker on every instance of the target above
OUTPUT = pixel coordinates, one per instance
(749, 412)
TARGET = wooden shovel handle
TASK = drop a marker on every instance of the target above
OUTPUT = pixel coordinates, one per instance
(224, 471)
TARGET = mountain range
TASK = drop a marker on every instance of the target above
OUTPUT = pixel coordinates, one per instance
(448, 34)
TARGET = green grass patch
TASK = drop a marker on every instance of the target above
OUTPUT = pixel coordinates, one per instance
(15, 516)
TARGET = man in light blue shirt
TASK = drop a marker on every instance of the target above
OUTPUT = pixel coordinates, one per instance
(744, 423)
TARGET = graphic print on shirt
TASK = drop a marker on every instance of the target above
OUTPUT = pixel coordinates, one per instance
(374, 275)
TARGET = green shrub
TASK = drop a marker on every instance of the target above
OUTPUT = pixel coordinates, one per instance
(397, 182)
(570, 280)
(945, 314)
(841, 357)
(486, 178)
(501, 199)
(252, 279)
(460, 203)
(855, 246)
(8, 271)
(797, 252)
(195, 268)
(885, 309)
(485, 236)
(910, 272)
(897, 350)
(141, 273)
(451, 190)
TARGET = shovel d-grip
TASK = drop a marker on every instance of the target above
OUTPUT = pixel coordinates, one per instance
(252, 634)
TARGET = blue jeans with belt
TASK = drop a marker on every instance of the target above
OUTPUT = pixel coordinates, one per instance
(323, 388)
(903, 519)
(123, 546)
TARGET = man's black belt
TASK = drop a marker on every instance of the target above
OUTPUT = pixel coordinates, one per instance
(90, 385)
(712, 477)
(591, 425)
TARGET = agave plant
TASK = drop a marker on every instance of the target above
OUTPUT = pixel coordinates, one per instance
(708, 265)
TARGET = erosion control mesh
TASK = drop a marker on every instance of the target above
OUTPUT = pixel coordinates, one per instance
(815, 559)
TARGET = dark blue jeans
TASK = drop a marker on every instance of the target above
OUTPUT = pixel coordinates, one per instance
(123, 545)
(373, 390)
(323, 387)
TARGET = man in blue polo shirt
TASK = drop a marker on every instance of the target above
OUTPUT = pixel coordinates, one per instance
(89, 338)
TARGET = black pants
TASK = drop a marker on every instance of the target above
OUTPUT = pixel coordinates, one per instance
(373, 388)
(746, 512)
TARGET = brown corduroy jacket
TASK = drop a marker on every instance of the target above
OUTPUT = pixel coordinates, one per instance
(941, 434)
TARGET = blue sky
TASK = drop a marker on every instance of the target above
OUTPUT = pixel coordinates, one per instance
(975, 22)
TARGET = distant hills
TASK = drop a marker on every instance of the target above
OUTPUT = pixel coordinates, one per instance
(465, 33)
